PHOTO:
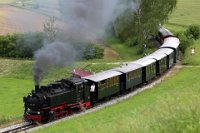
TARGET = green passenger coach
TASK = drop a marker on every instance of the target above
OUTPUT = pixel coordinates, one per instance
(148, 68)
(131, 77)
(104, 84)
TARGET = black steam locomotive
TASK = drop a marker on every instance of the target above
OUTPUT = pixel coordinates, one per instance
(62, 97)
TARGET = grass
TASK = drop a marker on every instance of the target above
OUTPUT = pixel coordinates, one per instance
(12, 91)
(192, 59)
(125, 52)
(172, 106)
(16, 82)
(186, 13)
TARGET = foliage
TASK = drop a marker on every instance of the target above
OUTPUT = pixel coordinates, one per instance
(20, 45)
(193, 31)
(142, 23)
(93, 51)
(185, 41)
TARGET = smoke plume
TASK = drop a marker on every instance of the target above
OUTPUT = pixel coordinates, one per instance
(85, 20)
(56, 54)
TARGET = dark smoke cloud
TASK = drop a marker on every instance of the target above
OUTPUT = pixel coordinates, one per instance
(56, 54)
(85, 20)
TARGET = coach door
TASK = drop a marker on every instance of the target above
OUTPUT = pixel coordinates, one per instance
(79, 92)
(93, 93)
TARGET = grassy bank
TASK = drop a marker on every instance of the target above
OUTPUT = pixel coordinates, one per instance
(125, 52)
(172, 106)
(193, 59)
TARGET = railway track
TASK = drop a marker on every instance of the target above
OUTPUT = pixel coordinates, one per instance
(18, 127)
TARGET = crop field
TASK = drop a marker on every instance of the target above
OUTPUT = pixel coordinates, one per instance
(6, 1)
(175, 100)
(13, 20)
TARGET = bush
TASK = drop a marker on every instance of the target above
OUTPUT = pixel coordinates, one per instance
(132, 41)
(20, 45)
(185, 41)
(193, 31)
(93, 51)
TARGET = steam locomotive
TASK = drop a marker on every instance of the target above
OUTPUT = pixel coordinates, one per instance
(61, 98)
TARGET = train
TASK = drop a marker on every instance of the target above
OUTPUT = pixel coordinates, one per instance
(63, 97)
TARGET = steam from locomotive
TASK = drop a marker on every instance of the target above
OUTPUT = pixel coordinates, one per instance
(56, 54)
(86, 20)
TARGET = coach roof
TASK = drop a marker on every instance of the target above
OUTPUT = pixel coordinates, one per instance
(128, 68)
(103, 75)
(157, 56)
(144, 61)
(171, 42)
(167, 51)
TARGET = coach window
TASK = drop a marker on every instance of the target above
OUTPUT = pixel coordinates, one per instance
(103, 83)
(117, 80)
(109, 82)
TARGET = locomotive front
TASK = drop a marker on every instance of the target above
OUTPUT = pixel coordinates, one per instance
(56, 100)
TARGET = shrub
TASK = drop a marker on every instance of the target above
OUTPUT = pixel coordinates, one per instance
(132, 41)
(193, 31)
(20, 45)
(93, 51)
(185, 41)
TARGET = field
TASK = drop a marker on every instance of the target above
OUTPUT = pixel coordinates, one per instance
(14, 20)
(186, 13)
(6, 1)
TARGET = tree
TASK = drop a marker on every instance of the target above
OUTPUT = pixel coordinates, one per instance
(143, 22)
(50, 29)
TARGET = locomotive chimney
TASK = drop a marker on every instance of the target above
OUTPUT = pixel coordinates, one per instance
(37, 87)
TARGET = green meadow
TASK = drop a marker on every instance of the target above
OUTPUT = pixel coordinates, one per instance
(186, 13)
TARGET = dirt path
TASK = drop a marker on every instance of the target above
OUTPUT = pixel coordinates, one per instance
(109, 53)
